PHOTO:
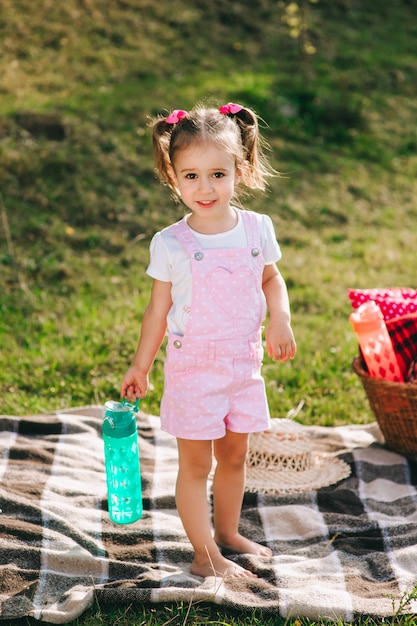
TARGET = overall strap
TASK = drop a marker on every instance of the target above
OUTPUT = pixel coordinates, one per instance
(253, 234)
(184, 235)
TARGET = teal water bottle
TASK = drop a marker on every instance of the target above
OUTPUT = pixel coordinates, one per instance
(121, 453)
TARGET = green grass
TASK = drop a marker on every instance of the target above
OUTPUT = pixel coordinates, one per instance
(199, 614)
(80, 201)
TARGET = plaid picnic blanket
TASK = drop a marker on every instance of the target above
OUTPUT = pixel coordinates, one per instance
(343, 551)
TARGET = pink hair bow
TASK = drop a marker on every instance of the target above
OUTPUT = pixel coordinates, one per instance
(176, 116)
(230, 107)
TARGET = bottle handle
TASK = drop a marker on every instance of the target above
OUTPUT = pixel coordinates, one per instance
(135, 407)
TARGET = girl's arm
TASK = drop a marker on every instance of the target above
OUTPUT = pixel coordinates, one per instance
(154, 324)
(280, 342)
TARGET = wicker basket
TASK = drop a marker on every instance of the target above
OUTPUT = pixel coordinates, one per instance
(395, 408)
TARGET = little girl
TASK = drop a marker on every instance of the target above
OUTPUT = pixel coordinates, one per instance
(214, 277)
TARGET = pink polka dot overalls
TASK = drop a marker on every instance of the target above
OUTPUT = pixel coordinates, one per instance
(212, 373)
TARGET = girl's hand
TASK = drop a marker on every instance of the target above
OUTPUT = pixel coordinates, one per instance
(280, 342)
(134, 384)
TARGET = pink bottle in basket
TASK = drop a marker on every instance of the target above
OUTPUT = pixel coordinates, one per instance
(375, 342)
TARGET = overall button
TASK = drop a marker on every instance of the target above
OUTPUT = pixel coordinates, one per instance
(177, 343)
(255, 252)
(198, 256)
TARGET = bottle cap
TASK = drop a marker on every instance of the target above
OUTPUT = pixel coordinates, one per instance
(367, 317)
(119, 418)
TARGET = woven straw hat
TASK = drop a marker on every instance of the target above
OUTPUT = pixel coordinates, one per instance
(281, 461)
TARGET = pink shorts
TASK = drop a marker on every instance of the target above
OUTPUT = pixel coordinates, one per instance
(211, 386)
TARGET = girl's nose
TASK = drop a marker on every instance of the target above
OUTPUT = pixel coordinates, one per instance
(205, 184)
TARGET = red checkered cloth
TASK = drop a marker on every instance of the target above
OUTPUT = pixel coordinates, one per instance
(399, 309)
(412, 373)
(403, 333)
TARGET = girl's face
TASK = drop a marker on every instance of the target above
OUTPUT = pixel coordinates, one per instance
(206, 176)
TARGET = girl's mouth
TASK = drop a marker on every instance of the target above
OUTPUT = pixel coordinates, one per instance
(206, 204)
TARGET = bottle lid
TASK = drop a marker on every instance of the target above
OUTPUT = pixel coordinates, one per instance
(119, 418)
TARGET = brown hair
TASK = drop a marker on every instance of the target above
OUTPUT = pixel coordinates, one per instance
(238, 133)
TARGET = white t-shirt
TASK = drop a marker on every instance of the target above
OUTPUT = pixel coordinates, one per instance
(170, 262)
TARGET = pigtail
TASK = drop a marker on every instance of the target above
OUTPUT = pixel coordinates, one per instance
(256, 168)
(161, 140)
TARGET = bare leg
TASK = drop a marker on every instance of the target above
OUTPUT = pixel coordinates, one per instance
(195, 459)
(228, 490)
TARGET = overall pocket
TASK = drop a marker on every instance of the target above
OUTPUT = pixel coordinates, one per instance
(179, 365)
(256, 353)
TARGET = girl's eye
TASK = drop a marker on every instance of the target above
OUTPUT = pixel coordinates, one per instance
(191, 176)
(218, 175)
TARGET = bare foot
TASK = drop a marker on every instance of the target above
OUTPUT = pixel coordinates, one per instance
(244, 546)
(219, 566)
